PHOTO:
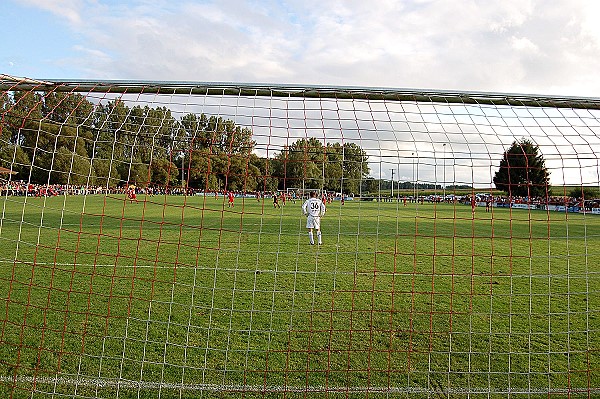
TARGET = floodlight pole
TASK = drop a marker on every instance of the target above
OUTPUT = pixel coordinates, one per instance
(413, 178)
(444, 172)
(398, 185)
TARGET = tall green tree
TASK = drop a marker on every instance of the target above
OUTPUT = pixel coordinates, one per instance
(107, 151)
(68, 167)
(70, 108)
(218, 154)
(301, 164)
(334, 167)
(24, 116)
(13, 157)
(163, 172)
(522, 171)
(355, 167)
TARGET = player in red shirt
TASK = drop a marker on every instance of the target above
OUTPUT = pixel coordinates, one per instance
(131, 194)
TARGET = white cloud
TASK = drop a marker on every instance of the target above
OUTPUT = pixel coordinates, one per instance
(67, 9)
(526, 46)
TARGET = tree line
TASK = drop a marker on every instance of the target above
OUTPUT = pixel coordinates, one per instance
(63, 138)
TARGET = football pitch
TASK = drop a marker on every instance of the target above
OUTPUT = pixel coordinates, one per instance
(178, 296)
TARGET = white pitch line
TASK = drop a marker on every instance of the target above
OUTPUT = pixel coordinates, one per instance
(127, 384)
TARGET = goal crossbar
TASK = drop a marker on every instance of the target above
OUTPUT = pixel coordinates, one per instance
(289, 90)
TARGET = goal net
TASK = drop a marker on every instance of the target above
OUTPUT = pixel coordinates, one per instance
(149, 247)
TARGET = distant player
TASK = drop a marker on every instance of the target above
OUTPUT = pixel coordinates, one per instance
(314, 209)
(131, 194)
(276, 201)
(230, 198)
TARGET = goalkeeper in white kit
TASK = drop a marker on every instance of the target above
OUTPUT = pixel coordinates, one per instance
(313, 208)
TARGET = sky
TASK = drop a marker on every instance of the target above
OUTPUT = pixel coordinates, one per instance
(545, 47)
(510, 46)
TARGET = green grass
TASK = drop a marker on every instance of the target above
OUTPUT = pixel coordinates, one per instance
(183, 292)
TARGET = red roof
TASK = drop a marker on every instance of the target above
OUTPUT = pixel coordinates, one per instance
(4, 171)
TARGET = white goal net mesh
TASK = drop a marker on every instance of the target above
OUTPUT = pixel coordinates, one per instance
(152, 242)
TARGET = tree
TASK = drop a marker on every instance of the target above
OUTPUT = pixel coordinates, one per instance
(266, 181)
(70, 168)
(106, 172)
(370, 185)
(163, 172)
(583, 192)
(24, 115)
(300, 164)
(355, 167)
(334, 174)
(522, 171)
(134, 172)
(13, 157)
(335, 167)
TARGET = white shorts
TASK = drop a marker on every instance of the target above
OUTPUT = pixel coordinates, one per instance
(313, 222)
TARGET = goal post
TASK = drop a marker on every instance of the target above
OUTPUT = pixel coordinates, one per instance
(142, 255)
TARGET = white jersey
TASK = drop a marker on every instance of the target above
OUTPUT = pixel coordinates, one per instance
(313, 207)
